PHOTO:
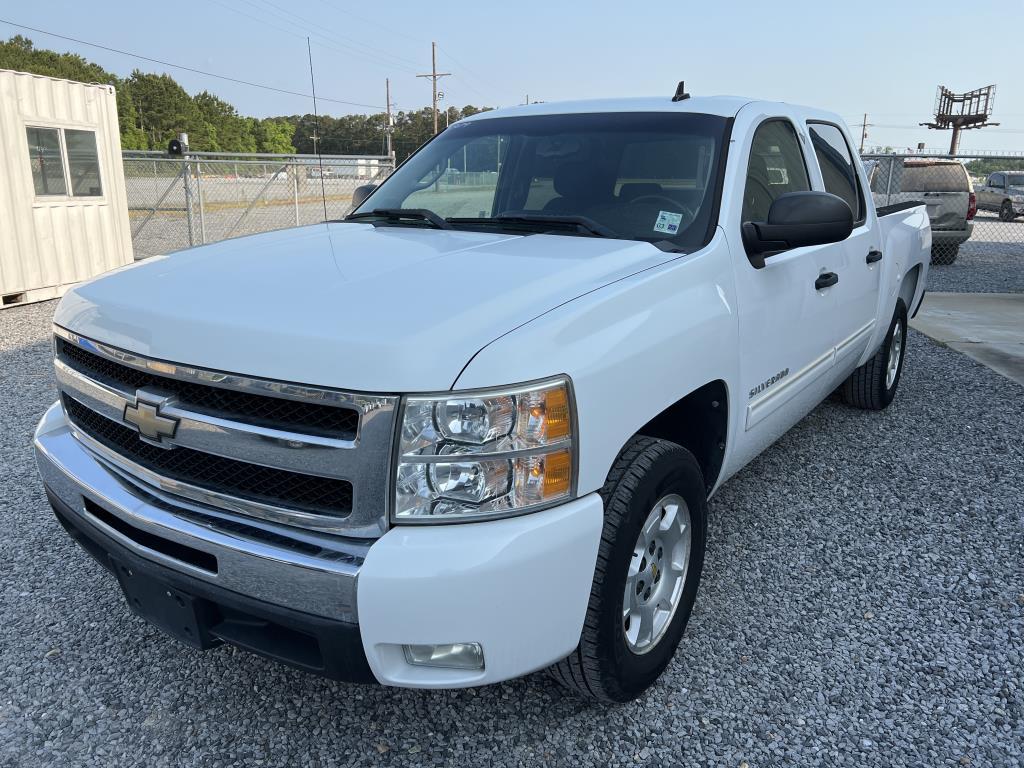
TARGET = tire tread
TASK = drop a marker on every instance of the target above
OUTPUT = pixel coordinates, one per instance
(580, 671)
(865, 387)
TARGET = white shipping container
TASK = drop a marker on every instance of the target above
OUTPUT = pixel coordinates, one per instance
(63, 209)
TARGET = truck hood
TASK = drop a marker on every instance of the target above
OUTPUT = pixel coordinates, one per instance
(347, 305)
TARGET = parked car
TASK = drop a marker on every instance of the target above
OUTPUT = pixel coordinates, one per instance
(467, 434)
(942, 184)
(1003, 193)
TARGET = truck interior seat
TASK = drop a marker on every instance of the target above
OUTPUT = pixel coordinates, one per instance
(574, 183)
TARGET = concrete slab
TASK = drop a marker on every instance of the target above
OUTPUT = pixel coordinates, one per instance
(987, 327)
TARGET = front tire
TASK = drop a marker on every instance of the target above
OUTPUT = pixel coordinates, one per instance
(648, 569)
(1006, 211)
(873, 385)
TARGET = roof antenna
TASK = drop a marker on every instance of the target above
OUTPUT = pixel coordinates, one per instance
(316, 130)
(681, 93)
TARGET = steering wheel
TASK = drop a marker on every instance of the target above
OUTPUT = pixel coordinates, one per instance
(660, 199)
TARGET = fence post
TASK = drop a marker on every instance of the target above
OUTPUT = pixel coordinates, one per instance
(295, 195)
(202, 210)
(186, 174)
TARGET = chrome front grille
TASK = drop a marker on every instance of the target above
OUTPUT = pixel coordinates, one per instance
(287, 453)
(326, 496)
(308, 416)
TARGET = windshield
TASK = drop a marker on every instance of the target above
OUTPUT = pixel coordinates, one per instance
(638, 176)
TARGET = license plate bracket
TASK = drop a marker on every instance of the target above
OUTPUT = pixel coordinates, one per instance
(179, 614)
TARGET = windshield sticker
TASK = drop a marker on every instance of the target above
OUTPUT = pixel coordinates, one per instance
(668, 222)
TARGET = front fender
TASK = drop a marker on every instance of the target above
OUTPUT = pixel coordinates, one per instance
(632, 349)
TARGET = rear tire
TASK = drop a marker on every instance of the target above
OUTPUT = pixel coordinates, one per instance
(611, 663)
(945, 253)
(873, 385)
(1006, 211)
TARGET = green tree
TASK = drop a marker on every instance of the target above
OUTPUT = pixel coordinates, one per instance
(152, 109)
(273, 135)
(165, 110)
(985, 166)
(228, 131)
(19, 54)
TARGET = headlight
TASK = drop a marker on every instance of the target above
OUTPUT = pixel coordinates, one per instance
(482, 455)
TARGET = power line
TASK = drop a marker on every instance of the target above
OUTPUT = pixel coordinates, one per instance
(186, 68)
(378, 25)
(350, 46)
(464, 80)
(319, 25)
(302, 33)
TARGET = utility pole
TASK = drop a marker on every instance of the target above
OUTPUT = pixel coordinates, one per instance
(864, 132)
(434, 75)
(387, 126)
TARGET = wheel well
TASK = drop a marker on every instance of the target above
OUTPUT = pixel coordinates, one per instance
(700, 423)
(908, 288)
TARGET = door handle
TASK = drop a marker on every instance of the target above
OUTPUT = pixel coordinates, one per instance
(874, 255)
(826, 280)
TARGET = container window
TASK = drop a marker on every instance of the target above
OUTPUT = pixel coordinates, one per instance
(83, 163)
(47, 162)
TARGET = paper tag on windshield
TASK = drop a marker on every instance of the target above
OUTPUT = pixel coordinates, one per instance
(668, 222)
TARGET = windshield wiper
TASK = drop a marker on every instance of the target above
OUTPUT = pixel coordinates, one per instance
(398, 214)
(582, 224)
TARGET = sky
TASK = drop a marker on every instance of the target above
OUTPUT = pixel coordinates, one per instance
(880, 58)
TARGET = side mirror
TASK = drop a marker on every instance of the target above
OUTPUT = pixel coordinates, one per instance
(797, 219)
(361, 193)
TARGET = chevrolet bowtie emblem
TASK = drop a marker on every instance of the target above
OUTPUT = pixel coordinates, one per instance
(144, 414)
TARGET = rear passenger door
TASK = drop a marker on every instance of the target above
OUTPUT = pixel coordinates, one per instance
(859, 261)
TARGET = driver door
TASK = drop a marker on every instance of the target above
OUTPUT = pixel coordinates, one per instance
(787, 320)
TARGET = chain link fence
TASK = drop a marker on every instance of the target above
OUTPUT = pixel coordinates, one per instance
(176, 203)
(975, 202)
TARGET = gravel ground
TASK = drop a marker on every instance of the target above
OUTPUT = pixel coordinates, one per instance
(992, 261)
(862, 604)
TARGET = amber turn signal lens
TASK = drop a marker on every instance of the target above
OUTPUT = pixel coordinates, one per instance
(556, 407)
(557, 474)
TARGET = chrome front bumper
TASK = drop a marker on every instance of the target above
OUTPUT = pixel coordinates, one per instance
(302, 571)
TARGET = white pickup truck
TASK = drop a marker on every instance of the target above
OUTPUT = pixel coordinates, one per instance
(470, 431)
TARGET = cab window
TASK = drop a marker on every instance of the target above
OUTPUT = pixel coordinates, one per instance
(776, 166)
(837, 166)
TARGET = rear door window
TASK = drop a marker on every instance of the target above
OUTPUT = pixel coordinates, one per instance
(837, 167)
